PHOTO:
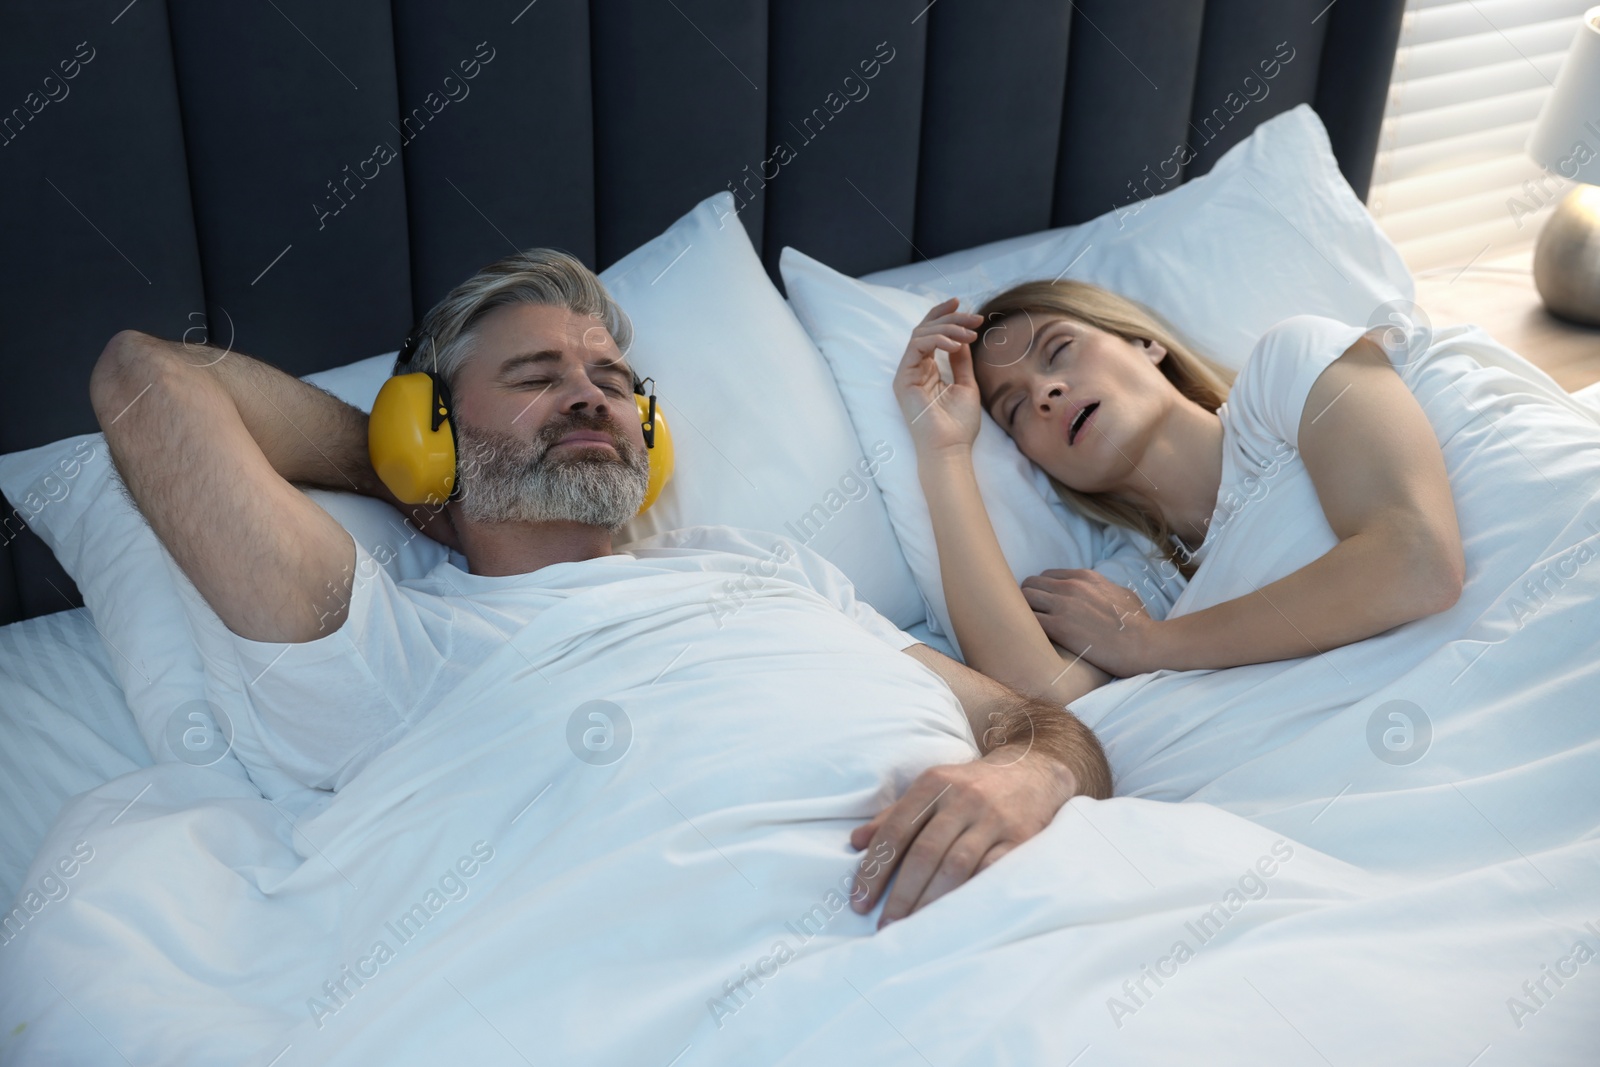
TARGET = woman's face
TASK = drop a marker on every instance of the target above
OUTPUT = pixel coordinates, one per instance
(1039, 374)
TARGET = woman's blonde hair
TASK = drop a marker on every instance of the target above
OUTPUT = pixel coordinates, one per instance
(1195, 377)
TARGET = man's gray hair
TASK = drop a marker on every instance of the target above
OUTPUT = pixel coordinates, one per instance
(540, 276)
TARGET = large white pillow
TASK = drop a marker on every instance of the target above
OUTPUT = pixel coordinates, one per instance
(1271, 232)
(862, 330)
(357, 383)
(762, 435)
(70, 495)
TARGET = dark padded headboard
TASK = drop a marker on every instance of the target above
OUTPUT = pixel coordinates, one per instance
(307, 178)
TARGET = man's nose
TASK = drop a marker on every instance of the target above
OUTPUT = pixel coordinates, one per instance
(586, 396)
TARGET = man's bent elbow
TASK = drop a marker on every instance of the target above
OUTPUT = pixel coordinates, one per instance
(110, 369)
(111, 383)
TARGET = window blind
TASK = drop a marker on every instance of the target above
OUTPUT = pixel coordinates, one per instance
(1451, 183)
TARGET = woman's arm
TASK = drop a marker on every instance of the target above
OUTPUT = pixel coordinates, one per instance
(994, 625)
(1381, 480)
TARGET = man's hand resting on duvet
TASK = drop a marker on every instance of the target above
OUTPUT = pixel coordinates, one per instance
(956, 820)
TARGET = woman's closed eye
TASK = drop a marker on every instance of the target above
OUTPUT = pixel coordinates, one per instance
(1049, 361)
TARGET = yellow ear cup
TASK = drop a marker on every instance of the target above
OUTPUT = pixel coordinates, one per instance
(661, 454)
(412, 445)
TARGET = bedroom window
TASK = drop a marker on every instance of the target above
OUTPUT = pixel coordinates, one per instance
(1452, 184)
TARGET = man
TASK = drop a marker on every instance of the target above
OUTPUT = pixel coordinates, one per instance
(552, 464)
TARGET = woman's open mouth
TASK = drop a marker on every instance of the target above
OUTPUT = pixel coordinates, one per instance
(1081, 420)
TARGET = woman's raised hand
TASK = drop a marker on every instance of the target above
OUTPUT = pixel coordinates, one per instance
(940, 415)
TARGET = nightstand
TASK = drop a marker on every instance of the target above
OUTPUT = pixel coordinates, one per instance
(1499, 295)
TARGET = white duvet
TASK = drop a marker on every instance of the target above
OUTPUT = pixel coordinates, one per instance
(478, 895)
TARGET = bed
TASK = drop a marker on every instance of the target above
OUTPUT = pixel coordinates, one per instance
(1382, 855)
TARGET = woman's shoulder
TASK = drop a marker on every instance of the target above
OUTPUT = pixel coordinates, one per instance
(1271, 388)
(1302, 336)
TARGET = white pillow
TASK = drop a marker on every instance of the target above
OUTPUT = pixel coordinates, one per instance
(65, 729)
(357, 383)
(72, 499)
(1271, 232)
(862, 330)
(762, 435)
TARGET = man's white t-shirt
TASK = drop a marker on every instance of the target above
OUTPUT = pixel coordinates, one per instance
(322, 709)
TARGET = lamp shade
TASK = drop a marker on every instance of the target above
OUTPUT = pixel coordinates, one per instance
(1566, 139)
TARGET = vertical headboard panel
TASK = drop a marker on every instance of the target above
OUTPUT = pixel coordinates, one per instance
(1250, 39)
(1130, 81)
(679, 108)
(992, 107)
(846, 189)
(299, 207)
(97, 228)
(498, 136)
(1353, 86)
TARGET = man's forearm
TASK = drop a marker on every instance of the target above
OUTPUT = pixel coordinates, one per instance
(309, 437)
(1043, 733)
(958, 818)
(1008, 723)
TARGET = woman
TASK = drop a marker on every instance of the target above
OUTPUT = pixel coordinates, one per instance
(1137, 430)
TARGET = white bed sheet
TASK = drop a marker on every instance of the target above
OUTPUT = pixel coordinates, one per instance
(64, 729)
(1333, 905)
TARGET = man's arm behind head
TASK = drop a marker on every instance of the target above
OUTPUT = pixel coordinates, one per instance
(207, 443)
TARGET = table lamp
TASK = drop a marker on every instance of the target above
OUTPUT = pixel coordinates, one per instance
(1566, 142)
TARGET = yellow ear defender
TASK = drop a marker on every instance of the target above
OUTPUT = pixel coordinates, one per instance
(657, 439)
(412, 442)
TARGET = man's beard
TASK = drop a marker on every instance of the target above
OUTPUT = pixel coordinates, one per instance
(506, 479)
